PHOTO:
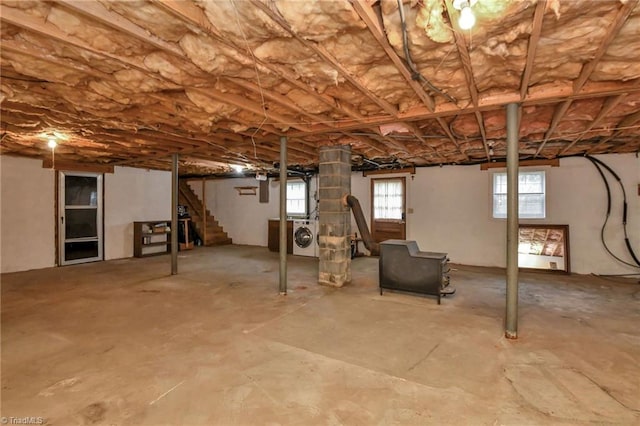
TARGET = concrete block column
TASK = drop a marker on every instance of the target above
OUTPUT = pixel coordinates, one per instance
(335, 219)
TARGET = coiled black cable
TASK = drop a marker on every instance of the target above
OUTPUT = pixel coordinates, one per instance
(598, 164)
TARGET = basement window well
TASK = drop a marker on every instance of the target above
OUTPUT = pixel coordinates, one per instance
(531, 195)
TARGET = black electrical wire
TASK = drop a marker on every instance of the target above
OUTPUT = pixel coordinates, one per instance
(624, 210)
(598, 164)
(415, 74)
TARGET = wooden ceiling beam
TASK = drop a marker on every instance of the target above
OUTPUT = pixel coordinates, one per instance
(100, 13)
(242, 103)
(392, 145)
(141, 160)
(631, 146)
(371, 19)
(291, 151)
(155, 139)
(114, 20)
(524, 163)
(608, 105)
(27, 50)
(627, 121)
(194, 15)
(374, 144)
(281, 100)
(320, 51)
(174, 138)
(451, 137)
(22, 49)
(48, 30)
(465, 59)
(417, 133)
(534, 38)
(483, 133)
(190, 12)
(164, 147)
(31, 23)
(558, 115)
(614, 29)
(538, 97)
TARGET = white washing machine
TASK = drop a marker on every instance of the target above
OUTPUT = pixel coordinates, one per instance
(304, 238)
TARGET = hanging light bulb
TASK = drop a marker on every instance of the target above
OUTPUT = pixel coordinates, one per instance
(467, 18)
(237, 168)
(52, 143)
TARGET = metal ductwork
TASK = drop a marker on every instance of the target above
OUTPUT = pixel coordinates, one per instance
(371, 245)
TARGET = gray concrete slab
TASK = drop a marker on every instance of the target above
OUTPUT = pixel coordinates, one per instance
(125, 343)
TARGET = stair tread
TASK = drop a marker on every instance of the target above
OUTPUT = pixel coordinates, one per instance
(215, 233)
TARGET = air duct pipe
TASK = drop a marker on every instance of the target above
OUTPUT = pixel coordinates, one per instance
(371, 245)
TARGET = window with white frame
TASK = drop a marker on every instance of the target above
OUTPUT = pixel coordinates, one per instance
(387, 199)
(296, 198)
(531, 195)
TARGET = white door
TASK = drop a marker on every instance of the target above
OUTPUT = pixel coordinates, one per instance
(80, 222)
(388, 209)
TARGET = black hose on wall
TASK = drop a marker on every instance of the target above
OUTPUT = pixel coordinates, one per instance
(599, 165)
(371, 245)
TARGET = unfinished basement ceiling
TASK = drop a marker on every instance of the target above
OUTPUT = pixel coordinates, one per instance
(219, 82)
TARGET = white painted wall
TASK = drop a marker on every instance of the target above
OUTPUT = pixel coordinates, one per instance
(243, 217)
(27, 216)
(452, 212)
(27, 211)
(132, 195)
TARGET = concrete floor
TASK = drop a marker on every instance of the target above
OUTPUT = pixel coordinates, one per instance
(124, 343)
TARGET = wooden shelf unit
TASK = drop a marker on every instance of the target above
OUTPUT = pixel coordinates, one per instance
(151, 238)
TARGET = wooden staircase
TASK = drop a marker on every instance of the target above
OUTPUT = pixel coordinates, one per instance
(214, 235)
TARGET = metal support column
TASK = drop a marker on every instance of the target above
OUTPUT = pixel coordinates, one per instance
(513, 128)
(174, 214)
(283, 215)
(204, 212)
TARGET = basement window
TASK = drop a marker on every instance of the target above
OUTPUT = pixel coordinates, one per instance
(531, 195)
(296, 198)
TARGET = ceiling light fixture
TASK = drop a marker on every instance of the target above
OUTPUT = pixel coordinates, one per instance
(51, 143)
(467, 19)
(237, 168)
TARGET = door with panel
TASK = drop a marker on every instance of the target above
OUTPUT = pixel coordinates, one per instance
(388, 200)
(80, 230)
